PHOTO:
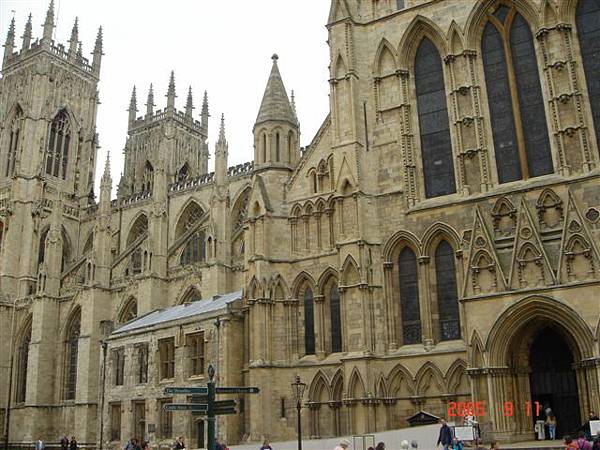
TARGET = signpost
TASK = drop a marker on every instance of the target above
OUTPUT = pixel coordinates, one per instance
(204, 403)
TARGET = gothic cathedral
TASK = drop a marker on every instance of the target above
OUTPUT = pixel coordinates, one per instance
(438, 241)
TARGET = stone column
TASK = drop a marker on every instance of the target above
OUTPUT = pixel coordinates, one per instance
(425, 301)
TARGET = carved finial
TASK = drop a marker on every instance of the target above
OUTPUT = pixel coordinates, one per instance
(189, 106)
(222, 130)
(97, 53)
(171, 92)
(49, 23)
(274, 58)
(27, 35)
(150, 102)
(79, 56)
(133, 106)
(10, 40)
(74, 39)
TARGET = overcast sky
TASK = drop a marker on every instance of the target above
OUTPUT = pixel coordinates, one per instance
(223, 47)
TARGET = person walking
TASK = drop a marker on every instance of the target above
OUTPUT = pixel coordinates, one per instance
(266, 445)
(343, 445)
(145, 445)
(380, 446)
(445, 437)
(39, 445)
(456, 444)
(551, 423)
(582, 442)
(73, 443)
(570, 445)
(586, 427)
(64, 443)
(179, 444)
(596, 445)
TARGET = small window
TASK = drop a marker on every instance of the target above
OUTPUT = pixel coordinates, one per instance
(195, 345)
(165, 426)
(142, 364)
(115, 422)
(119, 364)
(166, 349)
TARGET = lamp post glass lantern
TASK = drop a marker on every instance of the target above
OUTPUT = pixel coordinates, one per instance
(298, 389)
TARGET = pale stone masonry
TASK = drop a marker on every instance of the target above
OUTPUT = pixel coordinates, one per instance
(437, 242)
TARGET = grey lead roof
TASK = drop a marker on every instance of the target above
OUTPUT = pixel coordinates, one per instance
(275, 104)
(180, 312)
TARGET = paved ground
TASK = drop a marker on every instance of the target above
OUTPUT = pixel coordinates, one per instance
(426, 437)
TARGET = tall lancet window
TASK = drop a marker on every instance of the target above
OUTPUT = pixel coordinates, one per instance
(409, 297)
(71, 353)
(336, 319)
(14, 136)
(436, 146)
(588, 18)
(515, 97)
(309, 322)
(23, 355)
(447, 295)
(57, 152)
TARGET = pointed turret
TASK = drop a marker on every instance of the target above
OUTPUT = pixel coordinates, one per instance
(49, 25)
(275, 104)
(189, 106)
(27, 35)
(74, 41)
(221, 153)
(150, 103)
(205, 114)
(132, 107)
(171, 92)
(97, 54)
(9, 46)
(276, 129)
(105, 187)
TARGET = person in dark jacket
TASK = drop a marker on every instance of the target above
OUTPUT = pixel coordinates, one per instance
(73, 443)
(64, 443)
(445, 437)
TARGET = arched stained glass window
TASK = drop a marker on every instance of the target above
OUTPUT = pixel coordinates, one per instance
(195, 249)
(588, 18)
(57, 151)
(436, 146)
(447, 296)
(516, 103)
(336, 319)
(409, 297)
(309, 322)
(71, 351)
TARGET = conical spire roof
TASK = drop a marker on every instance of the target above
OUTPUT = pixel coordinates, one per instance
(275, 103)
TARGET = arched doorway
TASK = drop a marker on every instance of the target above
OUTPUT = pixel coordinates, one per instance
(552, 379)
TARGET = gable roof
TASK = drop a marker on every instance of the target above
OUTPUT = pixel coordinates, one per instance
(162, 316)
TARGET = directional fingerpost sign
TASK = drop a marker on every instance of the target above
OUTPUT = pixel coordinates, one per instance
(186, 407)
(204, 403)
(186, 390)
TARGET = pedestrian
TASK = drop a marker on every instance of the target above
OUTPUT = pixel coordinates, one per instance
(445, 437)
(266, 445)
(343, 445)
(414, 444)
(404, 445)
(179, 444)
(145, 445)
(64, 443)
(596, 445)
(456, 444)
(495, 445)
(570, 445)
(586, 427)
(136, 444)
(582, 442)
(380, 446)
(39, 445)
(551, 423)
(219, 444)
(73, 443)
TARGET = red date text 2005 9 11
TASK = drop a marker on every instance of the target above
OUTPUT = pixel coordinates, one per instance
(480, 409)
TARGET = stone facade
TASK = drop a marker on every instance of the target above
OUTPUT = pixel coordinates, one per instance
(435, 241)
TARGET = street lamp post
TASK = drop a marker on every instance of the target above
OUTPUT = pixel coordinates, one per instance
(298, 391)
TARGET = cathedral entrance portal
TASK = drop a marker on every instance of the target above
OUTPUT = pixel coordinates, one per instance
(553, 381)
